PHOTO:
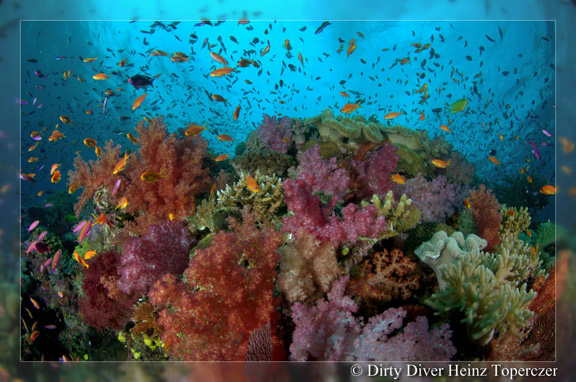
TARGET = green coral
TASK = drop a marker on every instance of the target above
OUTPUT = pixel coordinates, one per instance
(400, 216)
(327, 149)
(477, 284)
(442, 249)
(515, 220)
(466, 223)
(412, 162)
(268, 162)
(411, 139)
(525, 266)
(422, 233)
(339, 129)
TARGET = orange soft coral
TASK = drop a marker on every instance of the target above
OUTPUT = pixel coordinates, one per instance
(485, 210)
(387, 276)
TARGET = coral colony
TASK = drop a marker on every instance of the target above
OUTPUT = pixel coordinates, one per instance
(344, 235)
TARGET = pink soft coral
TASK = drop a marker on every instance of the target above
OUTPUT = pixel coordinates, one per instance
(321, 175)
(275, 134)
(373, 174)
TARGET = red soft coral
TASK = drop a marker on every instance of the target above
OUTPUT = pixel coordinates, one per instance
(485, 210)
(228, 294)
(103, 304)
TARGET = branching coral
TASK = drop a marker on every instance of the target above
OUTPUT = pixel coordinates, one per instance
(164, 249)
(386, 276)
(485, 210)
(477, 285)
(268, 162)
(307, 267)
(466, 223)
(514, 220)
(400, 216)
(264, 204)
(226, 294)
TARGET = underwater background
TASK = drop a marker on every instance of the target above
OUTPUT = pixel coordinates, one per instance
(288, 191)
(561, 11)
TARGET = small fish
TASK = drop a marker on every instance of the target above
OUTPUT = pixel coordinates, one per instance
(321, 27)
(392, 115)
(398, 179)
(33, 225)
(27, 178)
(132, 138)
(535, 150)
(152, 176)
(56, 177)
(344, 94)
(458, 106)
(222, 72)
(445, 128)
(34, 335)
(79, 259)
(36, 305)
(501, 137)
(121, 164)
(54, 167)
(440, 163)
(350, 107)
(138, 101)
(252, 184)
(73, 188)
(90, 59)
(546, 133)
(351, 49)
(116, 186)
(467, 203)
(56, 259)
(219, 98)
(236, 113)
(85, 231)
(48, 205)
(213, 189)
(218, 58)
(89, 112)
(266, 50)
(494, 160)
(422, 116)
(100, 76)
(225, 138)
(90, 254)
(56, 135)
(510, 212)
(122, 203)
(195, 130)
(158, 52)
(90, 142)
(529, 179)
(65, 119)
(222, 157)
(122, 63)
(548, 190)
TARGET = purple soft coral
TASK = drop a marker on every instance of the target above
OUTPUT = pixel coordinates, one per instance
(373, 174)
(164, 249)
(275, 134)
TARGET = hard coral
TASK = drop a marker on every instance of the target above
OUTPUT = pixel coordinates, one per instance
(227, 294)
(485, 210)
(164, 249)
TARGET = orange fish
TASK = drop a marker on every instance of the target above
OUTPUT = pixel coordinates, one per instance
(122, 63)
(248, 82)
(422, 89)
(32, 160)
(222, 157)
(54, 167)
(252, 184)
(300, 58)
(398, 179)
(219, 98)
(287, 45)
(350, 107)
(218, 58)
(90, 59)
(422, 116)
(213, 189)
(79, 259)
(34, 335)
(225, 138)
(122, 203)
(132, 138)
(65, 119)
(529, 179)
(445, 128)
(392, 115)
(440, 163)
(344, 94)
(121, 164)
(56, 177)
(510, 212)
(100, 76)
(494, 160)
(73, 187)
(158, 52)
(404, 61)
(195, 130)
(89, 112)
(266, 50)
(351, 49)
(152, 176)
(548, 190)
(138, 101)
(90, 254)
(236, 113)
(222, 72)
(36, 305)
(98, 151)
(56, 135)
(90, 142)
(467, 203)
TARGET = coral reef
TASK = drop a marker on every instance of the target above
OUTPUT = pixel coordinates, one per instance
(514, 220)
(485, 210)
(466, 223)
(412, 162)
(460, 172)
(164, 249)
(400, 216)
(411, 139)
(443, 249)
(339, 129)
(307, 268)
(267, 162)
(227, 290)
(422, 233)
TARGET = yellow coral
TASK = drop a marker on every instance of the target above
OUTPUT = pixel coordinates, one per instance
(400, 217)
